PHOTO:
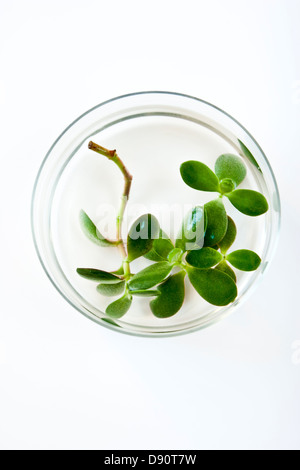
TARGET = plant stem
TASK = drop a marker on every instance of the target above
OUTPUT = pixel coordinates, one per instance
(113, 156)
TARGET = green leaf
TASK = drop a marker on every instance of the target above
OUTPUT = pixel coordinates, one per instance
(118, 308)
(249, 155)
(230, 166)
(229, 238)
(191, 235)
(198, 176)
(91, 231)
(160, 249)
(225, 268)
(141, 236)
(97, 275)
(150, 276)
(217, 222)
(248, 202)
(171, 296)
(145, 293)
(111, 290)
(213, 285)
(175, 255)
(244, 260)
(205, 258)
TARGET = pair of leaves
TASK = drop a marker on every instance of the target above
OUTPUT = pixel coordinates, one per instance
(110, 284)
(199, 176)
(244, 260)
(169, 298)
(230, 172)
(145, 279)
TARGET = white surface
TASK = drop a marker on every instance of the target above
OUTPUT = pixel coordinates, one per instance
(68, 383)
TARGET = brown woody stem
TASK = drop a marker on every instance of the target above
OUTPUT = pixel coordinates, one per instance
(113, 156)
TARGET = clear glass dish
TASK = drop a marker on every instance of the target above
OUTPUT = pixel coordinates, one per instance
(153, 132)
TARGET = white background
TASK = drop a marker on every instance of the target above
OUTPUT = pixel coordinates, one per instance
(67, 383)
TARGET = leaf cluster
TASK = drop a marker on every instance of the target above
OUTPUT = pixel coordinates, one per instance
(201, 251)
(230, 172)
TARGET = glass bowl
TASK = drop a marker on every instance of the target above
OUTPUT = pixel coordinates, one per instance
(153, 132)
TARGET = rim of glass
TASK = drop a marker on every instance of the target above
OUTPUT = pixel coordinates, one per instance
(228, 310)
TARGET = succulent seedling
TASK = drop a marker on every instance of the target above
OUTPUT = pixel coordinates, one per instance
(200, 251)
(230, 172)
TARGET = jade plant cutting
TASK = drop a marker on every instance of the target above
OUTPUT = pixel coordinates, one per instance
(201, 251)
